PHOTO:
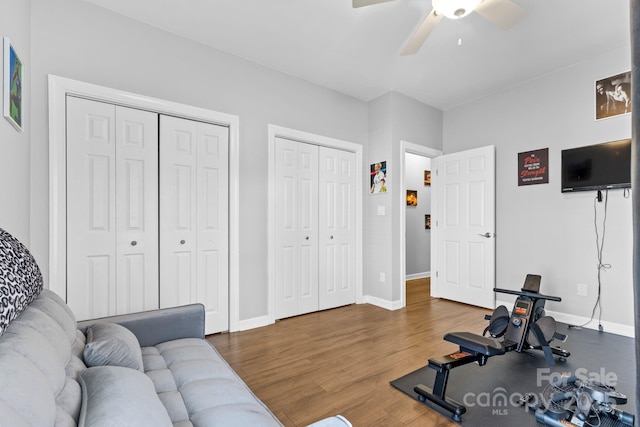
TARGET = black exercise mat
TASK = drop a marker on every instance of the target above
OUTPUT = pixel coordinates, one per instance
(491, 392)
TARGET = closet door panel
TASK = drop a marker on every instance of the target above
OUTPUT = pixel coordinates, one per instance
(178, 232)
(296, 199)
(91, 208)
(112, 209)
(212, 224)
(194, 217)
(337, 277)
(136, 210)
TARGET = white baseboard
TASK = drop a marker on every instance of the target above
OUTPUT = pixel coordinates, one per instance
(383, 303)
(414, 276)
(614, 328)
(255, 322)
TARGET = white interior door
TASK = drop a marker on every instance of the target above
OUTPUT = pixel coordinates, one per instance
(464, 260)
(337, 237)
(194, 243)
(296, 237)
(136, 210)
(111, 209)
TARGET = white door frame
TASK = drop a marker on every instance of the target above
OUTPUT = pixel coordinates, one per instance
(59, 88)
(323, 141)
(409, 147)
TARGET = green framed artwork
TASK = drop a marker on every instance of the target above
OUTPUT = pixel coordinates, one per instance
(13, 78)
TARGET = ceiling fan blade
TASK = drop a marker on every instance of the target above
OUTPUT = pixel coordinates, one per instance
(502, 13)
(421, 34)
(361, 3)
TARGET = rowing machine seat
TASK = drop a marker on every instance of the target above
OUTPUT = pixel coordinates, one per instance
(475, 343)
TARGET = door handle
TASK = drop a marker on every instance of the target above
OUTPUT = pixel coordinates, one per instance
(487, 235)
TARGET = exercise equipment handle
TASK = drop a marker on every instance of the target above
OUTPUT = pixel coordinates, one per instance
(527, 294)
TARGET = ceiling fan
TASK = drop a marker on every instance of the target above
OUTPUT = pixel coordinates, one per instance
(502, 13)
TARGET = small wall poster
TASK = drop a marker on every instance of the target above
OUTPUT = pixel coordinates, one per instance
(412, 198)
(533, 167)
(12, 85)
(379, 178)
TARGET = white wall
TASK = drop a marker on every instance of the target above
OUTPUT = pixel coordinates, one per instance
(377, 228)
(15, 146)
(418, 238)
(393, 118)
(78, 40)
(539, 229)
(419, 124)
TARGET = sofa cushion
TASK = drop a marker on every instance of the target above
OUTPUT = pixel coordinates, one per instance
(37, 349)
(199, 388)
(11, 417)
(115, 396)
(52, 305)
(113, 345)
(26, 391)
(20, 279)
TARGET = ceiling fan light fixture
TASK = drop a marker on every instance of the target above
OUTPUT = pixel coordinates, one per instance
(454, 9)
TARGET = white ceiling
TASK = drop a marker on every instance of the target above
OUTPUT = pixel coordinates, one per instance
(356, 51)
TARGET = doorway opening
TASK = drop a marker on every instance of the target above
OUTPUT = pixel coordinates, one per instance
(416, 152)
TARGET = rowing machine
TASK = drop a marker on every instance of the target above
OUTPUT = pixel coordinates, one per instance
(526, 328)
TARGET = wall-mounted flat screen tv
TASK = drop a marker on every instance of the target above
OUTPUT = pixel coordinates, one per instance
(597, 167)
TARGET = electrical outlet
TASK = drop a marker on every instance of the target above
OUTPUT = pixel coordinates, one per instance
(382, 278)
(582, 290)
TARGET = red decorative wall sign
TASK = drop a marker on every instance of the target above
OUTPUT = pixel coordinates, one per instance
(533, 167)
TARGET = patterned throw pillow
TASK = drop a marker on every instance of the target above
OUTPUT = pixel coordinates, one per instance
(20, 279)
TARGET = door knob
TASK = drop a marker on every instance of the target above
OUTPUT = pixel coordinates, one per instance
(133, 243)
(487, 235)
(306, 238)
(331, 237)
(182, 242)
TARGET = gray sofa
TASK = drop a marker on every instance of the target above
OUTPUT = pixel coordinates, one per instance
(147, 369)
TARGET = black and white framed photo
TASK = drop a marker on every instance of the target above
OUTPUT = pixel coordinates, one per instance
(13, 77)
(613, 96)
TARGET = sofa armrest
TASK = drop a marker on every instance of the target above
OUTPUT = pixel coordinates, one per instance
(156, 326)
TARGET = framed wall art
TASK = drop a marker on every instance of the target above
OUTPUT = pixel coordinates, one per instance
(13, 78)
(378, 178)
(533, 167)
(613, 95)
(412, 198)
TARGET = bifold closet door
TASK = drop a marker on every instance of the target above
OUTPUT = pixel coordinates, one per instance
(296, 239)
(337, 238)
(194, 219)
(112, 209)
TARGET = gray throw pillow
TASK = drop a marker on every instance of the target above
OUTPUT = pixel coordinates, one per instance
(113, 396)
(109, 344)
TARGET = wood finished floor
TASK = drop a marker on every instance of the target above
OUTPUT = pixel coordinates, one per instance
(341, 361)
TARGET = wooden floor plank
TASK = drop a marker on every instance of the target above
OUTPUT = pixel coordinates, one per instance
(341, 361)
